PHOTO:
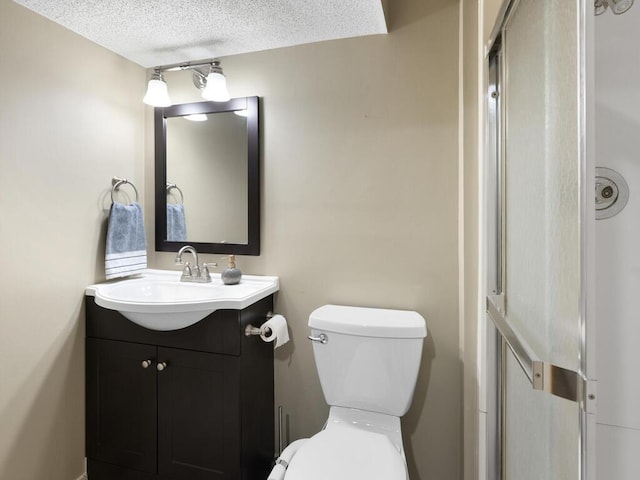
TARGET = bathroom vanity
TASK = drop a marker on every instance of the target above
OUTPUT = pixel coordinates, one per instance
(193, 403)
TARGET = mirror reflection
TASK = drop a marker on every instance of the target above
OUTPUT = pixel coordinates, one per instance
(207, 165)
(207, 177)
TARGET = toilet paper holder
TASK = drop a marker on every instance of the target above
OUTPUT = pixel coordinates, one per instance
(251, 330)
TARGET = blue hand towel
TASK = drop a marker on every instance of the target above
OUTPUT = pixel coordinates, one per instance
(176, 223)
(126, 251)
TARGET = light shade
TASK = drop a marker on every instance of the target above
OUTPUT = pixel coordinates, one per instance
(157, 94)
(216, 89)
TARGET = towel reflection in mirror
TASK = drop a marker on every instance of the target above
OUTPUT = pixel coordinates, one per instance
(176, 220)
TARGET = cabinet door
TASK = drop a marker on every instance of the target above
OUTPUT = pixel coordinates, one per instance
(121, 404)
(198, 415)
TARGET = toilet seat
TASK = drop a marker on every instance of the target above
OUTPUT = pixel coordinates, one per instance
(346, 453)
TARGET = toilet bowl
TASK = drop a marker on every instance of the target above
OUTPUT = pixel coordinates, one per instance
(354, 445)
(367, 360)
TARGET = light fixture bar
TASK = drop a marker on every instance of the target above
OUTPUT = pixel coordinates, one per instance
(173, 67)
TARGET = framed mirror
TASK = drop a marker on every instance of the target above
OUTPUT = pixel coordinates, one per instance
(207, 177)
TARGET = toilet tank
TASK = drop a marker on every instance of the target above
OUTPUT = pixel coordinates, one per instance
(371, 357)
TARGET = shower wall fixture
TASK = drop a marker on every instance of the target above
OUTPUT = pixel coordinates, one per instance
(617, 6)
(612, 193)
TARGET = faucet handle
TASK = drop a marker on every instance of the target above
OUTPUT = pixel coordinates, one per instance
(186, 271)
(205, 270)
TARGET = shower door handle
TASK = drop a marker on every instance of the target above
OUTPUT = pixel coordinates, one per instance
(558, 381)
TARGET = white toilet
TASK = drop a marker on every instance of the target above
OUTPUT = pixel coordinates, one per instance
(368, 361)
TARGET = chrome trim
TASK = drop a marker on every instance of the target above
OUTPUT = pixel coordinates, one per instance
(173, 67)
(251, 330)
(173, 186)
(493, 202)
(587, 200)
(502, 407)
(586, 105)
(521, 350)
(117, 182)
(281, 442)
(559, 381)
(503, 131)
(494, 271)
(322, 338)
(544, 376)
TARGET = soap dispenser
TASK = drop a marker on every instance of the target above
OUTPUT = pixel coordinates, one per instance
(231, 275)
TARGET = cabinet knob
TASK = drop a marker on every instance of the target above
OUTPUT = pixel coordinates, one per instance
(146, 363)
(161, 366)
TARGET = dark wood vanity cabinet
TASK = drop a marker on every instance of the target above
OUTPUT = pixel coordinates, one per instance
(190, 404)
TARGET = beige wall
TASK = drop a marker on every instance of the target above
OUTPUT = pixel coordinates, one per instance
(360, 192)
(471, 117)
(70, 119)
(492, 12)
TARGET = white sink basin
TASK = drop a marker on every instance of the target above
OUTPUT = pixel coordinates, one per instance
(158, 300)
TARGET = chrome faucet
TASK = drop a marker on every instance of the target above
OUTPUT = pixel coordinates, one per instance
(193, 273)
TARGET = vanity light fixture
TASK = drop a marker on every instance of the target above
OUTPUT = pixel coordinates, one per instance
(212, 82)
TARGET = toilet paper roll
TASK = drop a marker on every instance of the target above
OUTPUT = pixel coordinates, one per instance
(275, 329)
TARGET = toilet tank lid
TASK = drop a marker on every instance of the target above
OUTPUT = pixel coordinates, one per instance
(368, 322)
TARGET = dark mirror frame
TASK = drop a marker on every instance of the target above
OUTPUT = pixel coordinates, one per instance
(251, 105)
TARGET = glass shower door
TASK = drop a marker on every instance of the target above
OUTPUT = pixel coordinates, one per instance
(539, 307)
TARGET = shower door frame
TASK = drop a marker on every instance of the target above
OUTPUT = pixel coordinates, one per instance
(501, 338)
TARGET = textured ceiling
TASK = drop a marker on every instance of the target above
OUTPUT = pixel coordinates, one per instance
(161, 32)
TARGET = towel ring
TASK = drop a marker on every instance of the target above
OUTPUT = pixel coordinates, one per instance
(171, 186)
(117, 182)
